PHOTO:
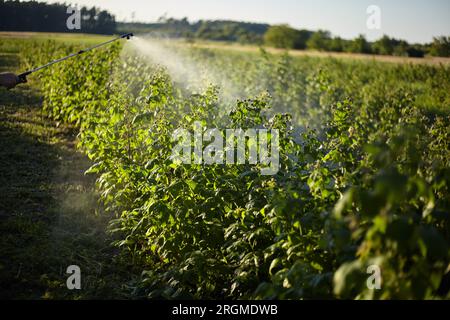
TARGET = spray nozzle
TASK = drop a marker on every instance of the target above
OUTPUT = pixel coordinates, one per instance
(128, 35)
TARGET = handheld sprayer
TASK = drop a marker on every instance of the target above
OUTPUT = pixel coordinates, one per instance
(23, 76)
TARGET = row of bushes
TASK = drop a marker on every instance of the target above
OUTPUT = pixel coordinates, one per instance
(371, 188)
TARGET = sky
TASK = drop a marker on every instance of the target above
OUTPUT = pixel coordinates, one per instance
(411, 20)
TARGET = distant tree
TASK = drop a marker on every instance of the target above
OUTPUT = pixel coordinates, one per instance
(336, 44)
(359, 45)
(39, 16)
(401, 49)
(440, 47)
(384, 46)
(281, 36)
(319, 40)
(302, 39)
(416, 51)
(391, 46)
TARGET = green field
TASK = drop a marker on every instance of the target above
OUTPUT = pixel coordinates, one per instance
(363, 179)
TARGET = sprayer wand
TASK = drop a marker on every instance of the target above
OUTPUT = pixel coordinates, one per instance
(23, 76)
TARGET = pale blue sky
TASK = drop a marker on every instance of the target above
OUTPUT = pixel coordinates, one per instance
(413, 20)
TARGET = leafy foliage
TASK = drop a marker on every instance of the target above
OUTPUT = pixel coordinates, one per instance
(369, 185)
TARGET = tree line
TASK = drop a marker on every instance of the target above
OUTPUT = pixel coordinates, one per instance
(283, 36)
(216, 30)
(39, 16)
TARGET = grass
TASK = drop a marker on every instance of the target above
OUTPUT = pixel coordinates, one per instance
(49, 213)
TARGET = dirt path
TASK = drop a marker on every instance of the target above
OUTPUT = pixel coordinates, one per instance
(49, 213)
